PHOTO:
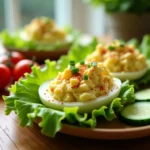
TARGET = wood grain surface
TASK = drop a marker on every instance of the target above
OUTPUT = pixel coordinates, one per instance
(14, 137)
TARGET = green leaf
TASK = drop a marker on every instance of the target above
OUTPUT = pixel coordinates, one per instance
(142, 82)
(39, 75)
(77, 52)
(145, 46)
(14, 41)
(51, 121)
(135, 6)
(108, 112)
(26, 112)
(127, 92)
(134, 42)
(9, 102)
(72, 115)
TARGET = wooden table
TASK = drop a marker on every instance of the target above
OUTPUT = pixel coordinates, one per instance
(14, 137)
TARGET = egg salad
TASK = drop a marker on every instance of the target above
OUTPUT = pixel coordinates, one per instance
(120, 58)
(43, 30)
(87, 86)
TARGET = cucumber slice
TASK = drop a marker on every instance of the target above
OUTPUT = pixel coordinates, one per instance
(143, 95)
(137, 113)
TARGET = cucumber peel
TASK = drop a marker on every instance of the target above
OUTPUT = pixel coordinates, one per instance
(137, 113)
(143, 95)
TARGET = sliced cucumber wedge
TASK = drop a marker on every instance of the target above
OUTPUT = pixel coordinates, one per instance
(137, 113)
(143, 95)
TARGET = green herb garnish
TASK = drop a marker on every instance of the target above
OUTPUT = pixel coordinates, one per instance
(72, 63)
(111, 47)
(82, 63)
(47, 20)
(89, 65)
(75, 70)
(93, 63)
(85, 77)
(122, 43)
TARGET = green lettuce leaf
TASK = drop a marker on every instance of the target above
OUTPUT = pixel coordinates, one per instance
(145, 46)
(134, 42)
(127, 92)
(27, 108)
(13, 41)
(126, 6)
(51, 120)
(25, 101)
(142, 82)
(77, 52)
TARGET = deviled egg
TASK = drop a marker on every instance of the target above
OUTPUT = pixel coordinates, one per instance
(122, 60)
(86, 86)
(43, 30)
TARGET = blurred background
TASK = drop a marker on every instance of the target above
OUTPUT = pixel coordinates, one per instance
(17, 13)
(116, 18)
(89, 22)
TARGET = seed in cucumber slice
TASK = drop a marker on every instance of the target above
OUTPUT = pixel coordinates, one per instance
(137, 113)
(143, 95)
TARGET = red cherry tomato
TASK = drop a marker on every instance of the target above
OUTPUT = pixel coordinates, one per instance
(22, 67)
(5, 76)
(11, 58)
(3, 59)
(16, 57)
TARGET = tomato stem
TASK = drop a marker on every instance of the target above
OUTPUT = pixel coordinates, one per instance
(9, 63)
(33, 61)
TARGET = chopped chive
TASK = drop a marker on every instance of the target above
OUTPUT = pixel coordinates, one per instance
(122, 43)
(72, 67)
(111, 47)
(75, 70)
(93, 63)
(85, 77)
(72, 63)
(82, 63)
(89, 65)
(47, 20)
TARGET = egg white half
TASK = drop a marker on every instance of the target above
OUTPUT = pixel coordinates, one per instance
(88, 106)
(130, 75)
(23, 35)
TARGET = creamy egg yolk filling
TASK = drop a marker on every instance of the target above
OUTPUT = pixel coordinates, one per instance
(43, 30)
(119, 57)
(88, 83)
